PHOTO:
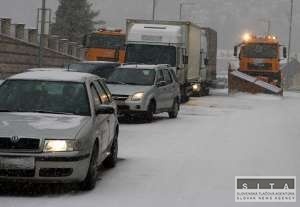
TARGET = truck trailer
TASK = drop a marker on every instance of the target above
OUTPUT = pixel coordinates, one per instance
(176, 43)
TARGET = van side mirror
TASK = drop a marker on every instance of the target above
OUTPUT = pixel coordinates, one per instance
(235, 53)
(284, 52)
(185, 59)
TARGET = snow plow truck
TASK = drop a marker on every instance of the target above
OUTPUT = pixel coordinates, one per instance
(259, 66)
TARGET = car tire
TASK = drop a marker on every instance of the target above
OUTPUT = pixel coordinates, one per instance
(89, 182)
(175, 109)
(112, 159)
(184, 98)
(150, 112)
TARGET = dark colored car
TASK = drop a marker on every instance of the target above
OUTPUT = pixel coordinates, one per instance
(102, 69)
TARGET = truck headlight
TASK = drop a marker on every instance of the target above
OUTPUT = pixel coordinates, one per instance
(137, 96)
(196, 87)
(60, 146)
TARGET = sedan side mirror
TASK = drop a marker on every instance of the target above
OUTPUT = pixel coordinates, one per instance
(104, 110)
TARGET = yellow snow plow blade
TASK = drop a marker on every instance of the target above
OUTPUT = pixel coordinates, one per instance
(241, 82)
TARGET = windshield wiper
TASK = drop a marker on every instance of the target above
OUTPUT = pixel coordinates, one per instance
(50, 112)
(134, 84)
(116, 82)
(6, 110)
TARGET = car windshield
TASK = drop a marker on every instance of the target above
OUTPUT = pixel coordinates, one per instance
(260, 51)
(132, 76)
(151, 54)
(101, 71)
(44, 97)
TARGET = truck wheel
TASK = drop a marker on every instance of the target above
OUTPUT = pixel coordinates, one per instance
(150, 112)
(112, 159)
(89, 182)
(206, 91)
(173, 114)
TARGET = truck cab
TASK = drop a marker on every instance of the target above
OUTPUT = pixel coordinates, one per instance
(105, 45)
(260, 57)
(155, 44)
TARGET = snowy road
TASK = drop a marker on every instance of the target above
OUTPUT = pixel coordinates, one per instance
(192, 161)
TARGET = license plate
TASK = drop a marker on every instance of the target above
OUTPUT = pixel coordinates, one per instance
(18, 163)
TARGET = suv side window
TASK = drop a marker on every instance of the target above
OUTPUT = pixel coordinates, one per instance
(160, 76)
(173, 75)
(106, 90)
(95, 95)
(167, 76)
(103, 96)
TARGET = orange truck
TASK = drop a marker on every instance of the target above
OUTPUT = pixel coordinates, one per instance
(260, 57)
(105, 45)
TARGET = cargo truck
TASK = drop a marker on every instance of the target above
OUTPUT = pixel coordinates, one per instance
(210, 57)
(176, 43)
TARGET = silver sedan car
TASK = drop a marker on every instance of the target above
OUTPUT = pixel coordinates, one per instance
(56, 126)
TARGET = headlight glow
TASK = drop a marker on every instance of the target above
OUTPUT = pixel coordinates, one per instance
(247, 37)
(59, 146)
(196, 87)
(137, 96)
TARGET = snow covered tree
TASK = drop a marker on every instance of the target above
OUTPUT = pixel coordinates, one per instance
(74, 19)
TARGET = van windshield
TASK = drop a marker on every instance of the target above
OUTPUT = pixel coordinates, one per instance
(151, 54)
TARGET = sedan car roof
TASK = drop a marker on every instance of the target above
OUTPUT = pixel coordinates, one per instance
(54, 76)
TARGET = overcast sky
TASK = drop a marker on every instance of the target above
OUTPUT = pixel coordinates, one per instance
(229, 17)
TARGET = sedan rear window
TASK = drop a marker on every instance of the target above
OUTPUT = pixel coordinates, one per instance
(44, 97)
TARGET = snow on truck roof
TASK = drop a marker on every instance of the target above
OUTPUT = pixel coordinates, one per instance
(156, 33)
(53, 76)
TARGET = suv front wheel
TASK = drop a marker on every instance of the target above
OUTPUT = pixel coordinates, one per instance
(175, 109)
(150, 112)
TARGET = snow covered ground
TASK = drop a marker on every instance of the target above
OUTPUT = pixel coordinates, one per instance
(193, 161)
